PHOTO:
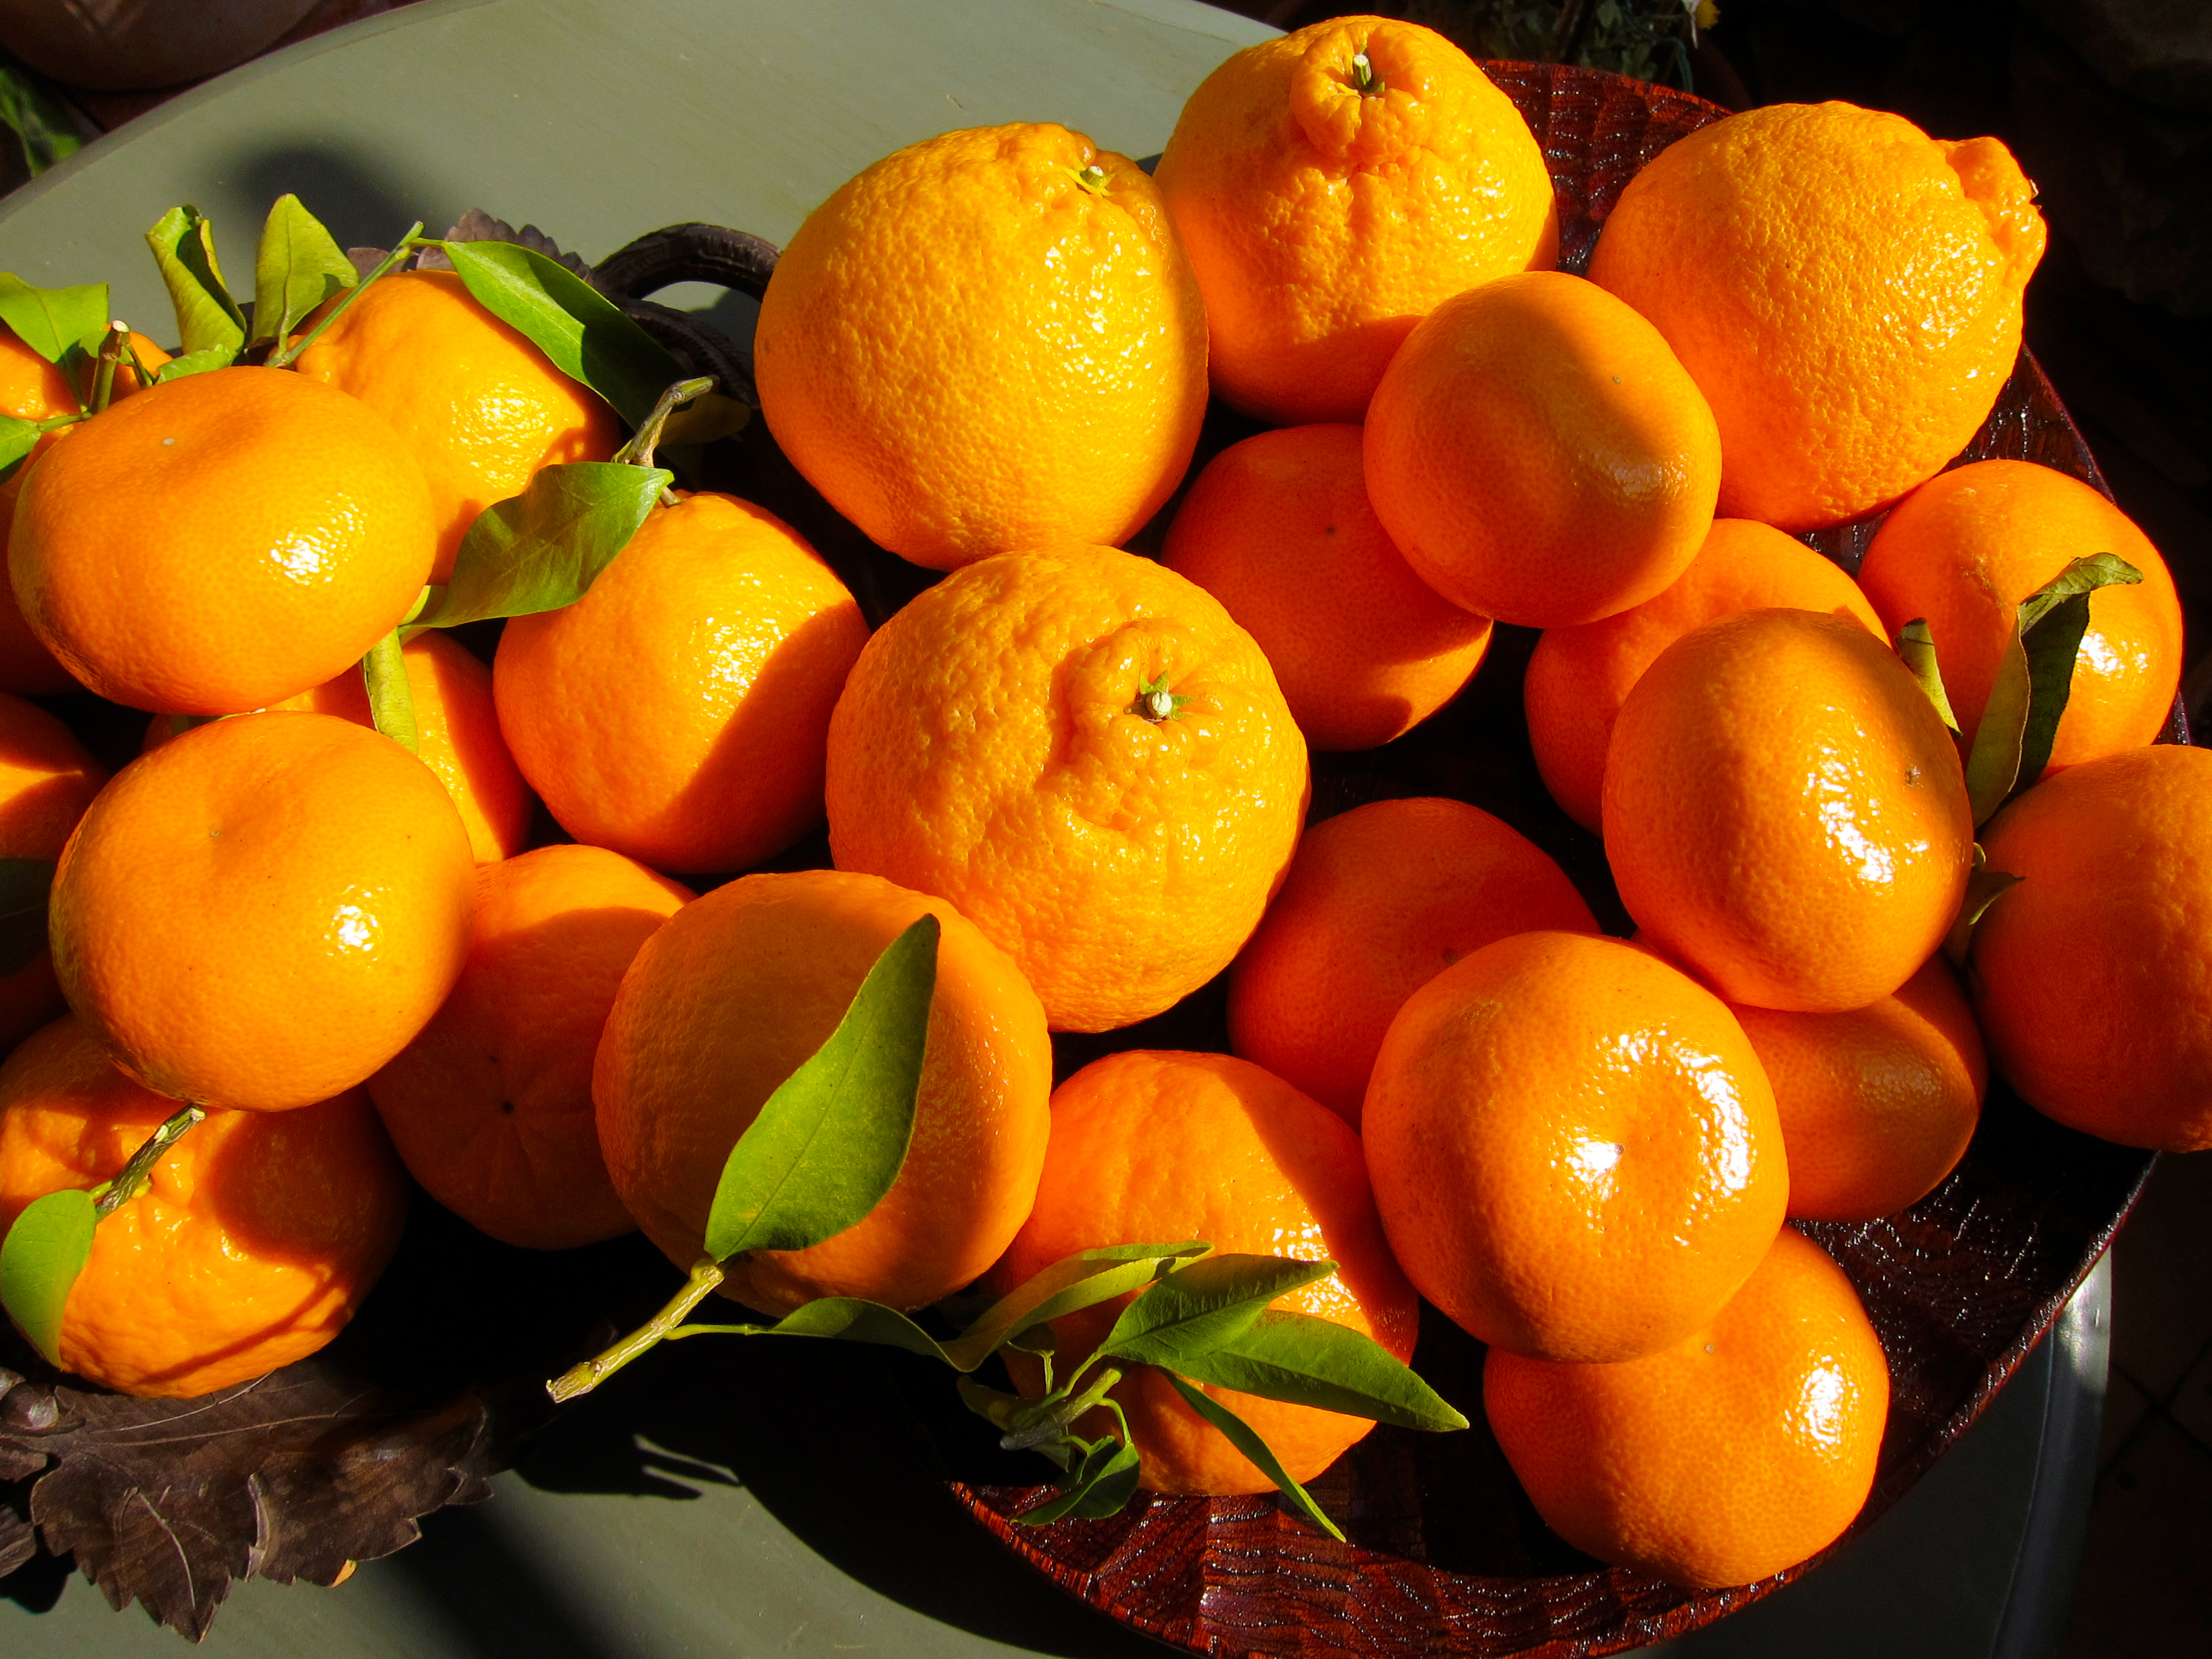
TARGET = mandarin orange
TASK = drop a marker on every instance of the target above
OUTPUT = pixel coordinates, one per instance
(46, 780)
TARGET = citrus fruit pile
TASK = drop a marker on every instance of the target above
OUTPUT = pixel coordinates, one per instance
(1876, 836)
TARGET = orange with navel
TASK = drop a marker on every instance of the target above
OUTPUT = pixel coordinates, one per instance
(1574, 1148)
(1153, 1147)
(678, 1079)
(1333, 186)
(1578, 677)
(256, 1238)
(1082, 751)
(1279, 529)
(1539, 455)
(490, 1105)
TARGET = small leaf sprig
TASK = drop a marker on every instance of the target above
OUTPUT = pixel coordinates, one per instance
(829, 1144)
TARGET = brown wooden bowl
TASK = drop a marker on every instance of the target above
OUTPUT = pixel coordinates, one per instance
(1446, 1555)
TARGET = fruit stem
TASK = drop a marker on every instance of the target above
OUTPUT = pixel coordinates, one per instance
(1156, 702)
(1363, 77)
(113, 345)
(582, 1379)
(638, 452)
(282, 357)
(132, 1177)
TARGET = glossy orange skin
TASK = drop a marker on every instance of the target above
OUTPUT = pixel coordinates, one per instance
(1740, 1450)
(1150, 1146)
(46, 780)
(263, 911)
(256, 1241)
(1279, 528)
(1323, 224)
(988, 748)
(32, 389)
(1379, 901)
(1878, 1103)
(1538, 455)
(1578, 677)
(456, 732)
(2089, 977)
(480, 406)
(1843, 288)
(1785, 814)
(968, 349)
(677, 712)
(269, 529)
(1574, 1149)
(490, 1105)
(1964, 549)
(677, 1080)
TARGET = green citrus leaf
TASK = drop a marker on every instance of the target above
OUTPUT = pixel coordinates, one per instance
(51, 320)
(1242, 1436)
(391, 703)
(580, 329)
(297, 266)
(2013, 743)
(849, 1317)
(1194, 1311)
(1316, 1362)
(39, 1260)
(830, 1141)
(1099, 1485)
(208, 319)
(1081, 1280)
(24, 884)
(194, 362)
(1915, 649)
(994, 1406)
(17, 439)
(539, 550)
(1983, 887)
(38, 119)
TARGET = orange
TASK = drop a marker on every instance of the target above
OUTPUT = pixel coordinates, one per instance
(456, 732)
(1785, 813)
(1328, 208)
(46, 780)
(1150, 1147)
(1380, 900)
(1739, 1451)
(1280, 530)
(254, 1241)
(490, 1105)
(989, 340)
(1578, 676)
(678, 1079)
(32, 389)
(480, 406)
(677, 712)
(263, 911)
(2090, 977)
(1573, 1147)
(267, 531)
(1878, 1103)
(1967, 547)
(1844, 290)
(1081, 750)
(1539, 455)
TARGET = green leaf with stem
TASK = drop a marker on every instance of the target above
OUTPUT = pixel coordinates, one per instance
(1983, 887)
(2012, 745)
(1309, 1361)
(41, 1258)
(1081, 1280)
(17, 439)
(583, 332)
(1100, 1481)
(192, 363)
(391, 703)
(1242, 1436)
(828, 1143)
(208, 319)
(286, 354)
(24, 886)
(541, 549)
(51, 320)
(297, 266)
(1915, 649)
(1193, 1311)
(849, 1317)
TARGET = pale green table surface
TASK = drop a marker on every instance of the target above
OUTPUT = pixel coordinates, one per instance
(597, 120)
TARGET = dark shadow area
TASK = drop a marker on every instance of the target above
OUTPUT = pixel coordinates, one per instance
(493, 1598)
(351, 192)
